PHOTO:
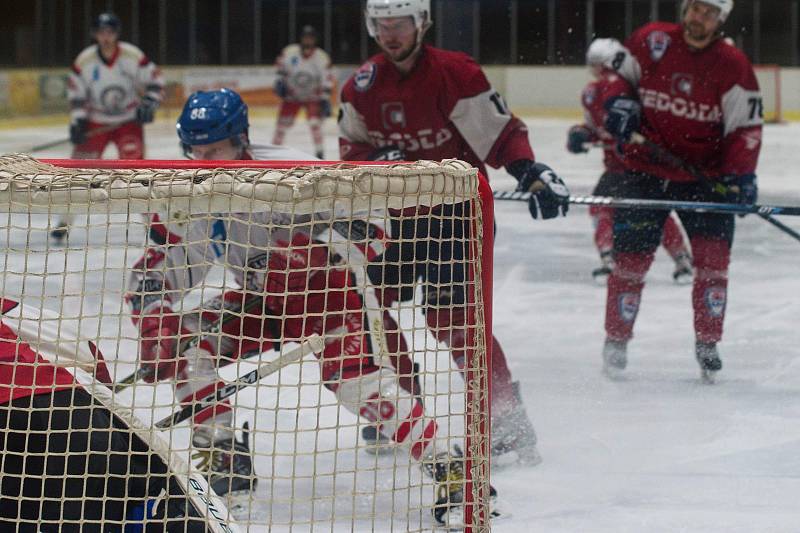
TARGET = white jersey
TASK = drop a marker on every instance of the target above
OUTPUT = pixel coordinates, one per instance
(184, 249)
(108, 92)
(307, 78)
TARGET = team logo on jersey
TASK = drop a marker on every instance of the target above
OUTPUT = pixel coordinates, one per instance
(658, 41)
(394, 116)
(589, 95)
(628, 303)
(113, 100)
(682, 84)
(716, 298)
(365, 77)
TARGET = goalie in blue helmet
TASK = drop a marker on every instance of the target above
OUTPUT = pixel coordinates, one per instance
(214, 126)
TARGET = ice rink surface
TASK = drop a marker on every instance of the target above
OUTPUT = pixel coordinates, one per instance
(658, 451)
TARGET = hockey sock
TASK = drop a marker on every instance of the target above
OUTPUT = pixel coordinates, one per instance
(625, 286)
(710, 290)
(672, 239)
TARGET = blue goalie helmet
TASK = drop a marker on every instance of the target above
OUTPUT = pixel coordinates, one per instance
(211, 116)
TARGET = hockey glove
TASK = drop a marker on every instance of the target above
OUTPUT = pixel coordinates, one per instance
(280, 88)
(741, 189)
(623, 118)
(324, 108)
(146, 111)
(577, 137)
(387, 153)
(78, 130)
(550, 194)
(159, 343)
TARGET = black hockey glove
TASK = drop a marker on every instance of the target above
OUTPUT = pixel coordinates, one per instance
(742, 189)
(577, 137)
(623, 118)
(280, 88)
(550, 194)
(387, 153)
(324, 108)
(78, 130)
(146, 111)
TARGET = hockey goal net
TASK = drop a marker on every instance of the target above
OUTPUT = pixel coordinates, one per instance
(357, 405)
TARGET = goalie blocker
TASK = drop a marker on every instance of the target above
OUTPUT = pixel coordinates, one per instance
(68, 463)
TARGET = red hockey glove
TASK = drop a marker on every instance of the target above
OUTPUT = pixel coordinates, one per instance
(159, 344)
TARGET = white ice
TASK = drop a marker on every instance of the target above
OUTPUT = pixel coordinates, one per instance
(656, 452)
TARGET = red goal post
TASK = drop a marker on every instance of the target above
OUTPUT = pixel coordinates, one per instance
(315, 452)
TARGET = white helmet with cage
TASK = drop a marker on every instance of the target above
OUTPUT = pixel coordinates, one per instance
(420, 10)
(725, 7)
(602, 51)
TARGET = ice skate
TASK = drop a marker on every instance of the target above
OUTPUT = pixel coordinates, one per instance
(447, 469)
(513, 437)
(708, 358)
(601, 273)
(227, 464)
(684, 273)
(59, 233)
(375, 442)
(615, 358)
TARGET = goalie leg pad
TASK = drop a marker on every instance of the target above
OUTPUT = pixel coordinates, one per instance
(378, 398)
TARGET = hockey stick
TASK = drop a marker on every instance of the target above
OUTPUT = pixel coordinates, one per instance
(669, 157)
(314, 343)
(144, 373)
(206, 503)
(668, 205)
(94, 133)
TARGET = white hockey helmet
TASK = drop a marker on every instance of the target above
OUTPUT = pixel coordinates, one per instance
(420, 10)
(725, 7)
(602, 51)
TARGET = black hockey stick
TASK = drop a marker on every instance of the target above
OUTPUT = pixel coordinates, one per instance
(667, 205)
(99, 131)
(314, 343)
(226, 316)
(669, 157)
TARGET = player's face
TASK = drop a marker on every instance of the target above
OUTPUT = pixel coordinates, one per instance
(701, 21)
(106, 37)
(308, 42)
(223, 150)
(397, 37)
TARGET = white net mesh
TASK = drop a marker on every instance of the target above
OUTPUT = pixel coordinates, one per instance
(306, 348)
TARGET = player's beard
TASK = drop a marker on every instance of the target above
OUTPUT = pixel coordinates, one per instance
(398, 56)
(697, 32)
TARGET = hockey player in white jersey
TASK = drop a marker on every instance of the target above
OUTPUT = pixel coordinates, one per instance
(304, 81)
(290, 288)
(113, 90)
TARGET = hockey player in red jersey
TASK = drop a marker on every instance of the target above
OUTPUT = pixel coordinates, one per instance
(699, 100)
(414, 101)
(607, 83)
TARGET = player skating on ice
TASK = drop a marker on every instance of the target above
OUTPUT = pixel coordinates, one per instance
(289, 287)
(113, 90)
(600, 59)
(305, 82)
(699, 101)
(413, 101)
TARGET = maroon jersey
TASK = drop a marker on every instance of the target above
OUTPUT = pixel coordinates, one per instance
(702, 105)
(593, 98)
(444, 108)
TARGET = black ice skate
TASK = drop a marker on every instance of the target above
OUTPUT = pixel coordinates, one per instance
(615, 358)
(601, 273)
(708, 358)
(375, 442)
(59, 234)
(447, 470)
(683, 273)
(513, 437)
(228, 465)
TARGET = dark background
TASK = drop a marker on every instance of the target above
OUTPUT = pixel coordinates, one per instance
(241, 32)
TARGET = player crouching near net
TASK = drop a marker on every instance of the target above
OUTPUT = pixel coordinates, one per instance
(68, 463)
(290, 289)
(600, 59)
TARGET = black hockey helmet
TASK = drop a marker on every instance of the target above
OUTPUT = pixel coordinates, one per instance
(107, 20)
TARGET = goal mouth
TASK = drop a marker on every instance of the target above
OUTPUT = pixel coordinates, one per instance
(295, 310)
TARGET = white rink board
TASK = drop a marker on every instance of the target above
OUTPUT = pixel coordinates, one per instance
(658, 452)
